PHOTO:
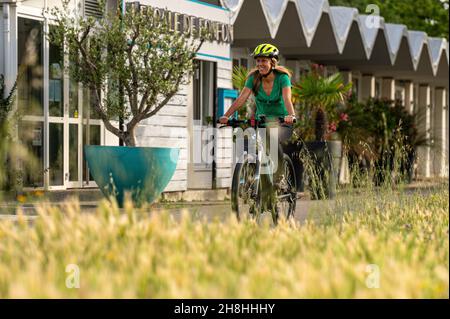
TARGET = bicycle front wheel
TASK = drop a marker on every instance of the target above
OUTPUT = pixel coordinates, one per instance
(245, 201)
(286, 191)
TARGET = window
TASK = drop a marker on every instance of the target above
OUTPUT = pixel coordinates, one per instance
(204, 92)
(355, 88)
(204, 100)
(92, 9)
(244, 63)
(240, 62)
(56, 65)
(400, 93)
(236, 63)
(30, 95)
(377, 89)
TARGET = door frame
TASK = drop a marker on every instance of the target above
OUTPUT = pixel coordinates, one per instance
(31, 13)
(200, 176)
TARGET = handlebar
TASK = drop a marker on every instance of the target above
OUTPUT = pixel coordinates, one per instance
(252, 122)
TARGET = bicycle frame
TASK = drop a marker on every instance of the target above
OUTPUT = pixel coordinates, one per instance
(261, 157)
(245, 188)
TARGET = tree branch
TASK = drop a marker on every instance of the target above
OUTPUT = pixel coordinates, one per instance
(86, 57)
(164, 102)
(97, 90)
(147, 92)
(133, 98)
(103, 116)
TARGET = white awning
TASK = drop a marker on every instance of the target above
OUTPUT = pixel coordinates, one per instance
(314, 29)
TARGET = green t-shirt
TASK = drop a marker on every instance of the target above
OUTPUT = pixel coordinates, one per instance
(271, 106)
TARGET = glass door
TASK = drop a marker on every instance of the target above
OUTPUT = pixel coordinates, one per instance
(73, 123)
(30, 98)
(92, 128)
(202, 97)
(58, 117)
(73, 135)
(57, 80)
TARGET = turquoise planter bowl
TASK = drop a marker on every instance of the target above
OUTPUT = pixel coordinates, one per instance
(144, 172)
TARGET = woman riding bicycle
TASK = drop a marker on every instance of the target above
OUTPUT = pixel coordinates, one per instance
(271, 86)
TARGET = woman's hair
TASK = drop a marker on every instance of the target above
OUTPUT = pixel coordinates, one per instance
(257, 79)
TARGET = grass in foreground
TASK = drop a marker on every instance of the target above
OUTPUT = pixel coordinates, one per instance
(399, 244)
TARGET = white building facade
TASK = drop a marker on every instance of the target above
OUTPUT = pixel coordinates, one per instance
(58, 113)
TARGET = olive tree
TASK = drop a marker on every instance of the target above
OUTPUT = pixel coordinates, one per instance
(132, 61)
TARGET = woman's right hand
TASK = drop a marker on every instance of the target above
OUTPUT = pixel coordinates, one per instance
(223, 119)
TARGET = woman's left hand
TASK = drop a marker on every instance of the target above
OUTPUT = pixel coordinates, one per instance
(290, 119)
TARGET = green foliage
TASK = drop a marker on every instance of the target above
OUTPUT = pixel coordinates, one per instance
(318, 94)
(321, 92)
(14, 156)
(379, 123)
(6, 100)
(6, 142)
(381, 132)
(133, 51)
(239, 77)
(430, 16)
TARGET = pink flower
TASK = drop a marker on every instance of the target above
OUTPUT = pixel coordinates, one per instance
(343, 117)
(332, 127)
(349, 94)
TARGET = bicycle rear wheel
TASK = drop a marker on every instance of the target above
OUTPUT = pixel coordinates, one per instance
(243, 202)
(286, 191)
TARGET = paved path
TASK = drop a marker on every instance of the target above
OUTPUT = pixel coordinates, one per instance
(199, 210)
(207, 210)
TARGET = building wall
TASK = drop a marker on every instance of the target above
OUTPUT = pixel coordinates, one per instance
(171, 127)
(2, 47)
(168, 128)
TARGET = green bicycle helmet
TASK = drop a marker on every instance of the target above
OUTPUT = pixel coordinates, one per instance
(267, 51)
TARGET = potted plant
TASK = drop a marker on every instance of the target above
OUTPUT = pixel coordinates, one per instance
(318, 95)
(381, 136)
(238, 78)
(134, 64)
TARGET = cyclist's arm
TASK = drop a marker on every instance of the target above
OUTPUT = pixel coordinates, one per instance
(245, 93)
(287, 97)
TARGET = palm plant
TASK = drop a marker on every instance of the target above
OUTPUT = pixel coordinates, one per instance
(320, 94)
(238, 78)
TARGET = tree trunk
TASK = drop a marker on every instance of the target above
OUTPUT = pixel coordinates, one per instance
(321, 124)
(129, 138)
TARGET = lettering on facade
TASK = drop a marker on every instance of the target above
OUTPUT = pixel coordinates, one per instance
(191, 26)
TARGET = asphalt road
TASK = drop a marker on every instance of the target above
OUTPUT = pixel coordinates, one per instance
(208, 210)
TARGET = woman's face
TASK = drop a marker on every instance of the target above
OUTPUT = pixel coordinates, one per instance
(264, 65)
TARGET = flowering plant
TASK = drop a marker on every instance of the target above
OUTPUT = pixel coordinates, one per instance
(321, 97)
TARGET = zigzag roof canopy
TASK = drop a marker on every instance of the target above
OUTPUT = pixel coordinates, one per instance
(314, 29)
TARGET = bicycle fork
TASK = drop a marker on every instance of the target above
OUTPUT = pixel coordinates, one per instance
(259, 164)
